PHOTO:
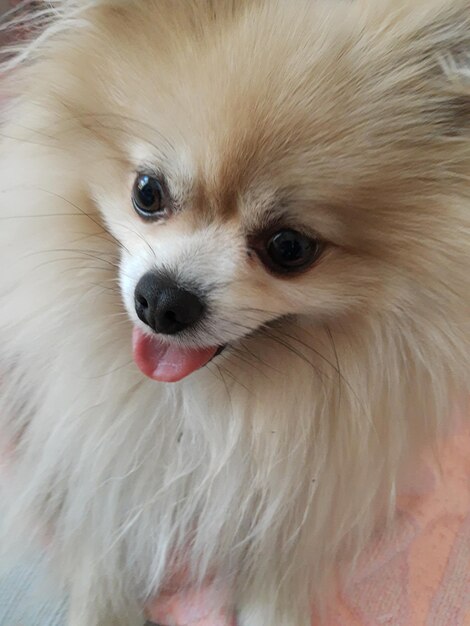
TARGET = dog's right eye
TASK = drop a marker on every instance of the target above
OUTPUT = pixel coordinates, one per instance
(290, 251)
(148, 197)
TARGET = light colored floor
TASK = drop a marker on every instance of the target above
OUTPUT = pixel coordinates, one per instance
(24, 600)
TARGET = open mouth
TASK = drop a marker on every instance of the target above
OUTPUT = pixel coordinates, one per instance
(166, 362)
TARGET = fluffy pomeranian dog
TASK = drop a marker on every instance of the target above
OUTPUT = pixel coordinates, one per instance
(235, 287)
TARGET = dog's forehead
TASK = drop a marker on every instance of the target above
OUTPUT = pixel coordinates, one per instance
(309, 118)
(249, 138)
(231, 117)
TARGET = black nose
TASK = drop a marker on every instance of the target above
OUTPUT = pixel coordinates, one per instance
(164, 306)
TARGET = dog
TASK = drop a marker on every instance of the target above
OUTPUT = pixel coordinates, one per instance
(235, 287)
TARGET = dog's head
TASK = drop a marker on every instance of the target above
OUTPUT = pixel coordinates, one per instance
(266, 161)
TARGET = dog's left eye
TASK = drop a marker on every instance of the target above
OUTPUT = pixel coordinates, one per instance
(148, 197)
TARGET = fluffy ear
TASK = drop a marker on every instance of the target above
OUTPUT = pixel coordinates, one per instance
(424, 46)
(444, 43)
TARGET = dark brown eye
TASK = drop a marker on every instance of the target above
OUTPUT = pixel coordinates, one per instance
(290, 251)
(147, 197)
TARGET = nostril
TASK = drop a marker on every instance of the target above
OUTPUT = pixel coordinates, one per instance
(170, 316)
(177, 310)
(139, 298)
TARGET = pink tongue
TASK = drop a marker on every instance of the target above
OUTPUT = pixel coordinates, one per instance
(167, 363)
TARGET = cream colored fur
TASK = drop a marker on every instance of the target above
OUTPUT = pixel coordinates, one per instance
(273, 463)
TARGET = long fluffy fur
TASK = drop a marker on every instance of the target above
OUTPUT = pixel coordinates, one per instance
(264, 470)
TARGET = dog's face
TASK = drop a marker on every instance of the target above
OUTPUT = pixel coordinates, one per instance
(262, 164)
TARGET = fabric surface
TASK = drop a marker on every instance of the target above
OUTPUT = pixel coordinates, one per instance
(421, 576)
(23, 603)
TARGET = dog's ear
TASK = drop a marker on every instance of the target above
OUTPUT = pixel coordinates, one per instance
(443, 41)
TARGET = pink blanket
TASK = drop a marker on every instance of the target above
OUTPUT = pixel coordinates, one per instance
(418, 577)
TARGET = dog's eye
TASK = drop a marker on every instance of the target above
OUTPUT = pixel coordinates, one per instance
(291, 251)
(148, 197)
